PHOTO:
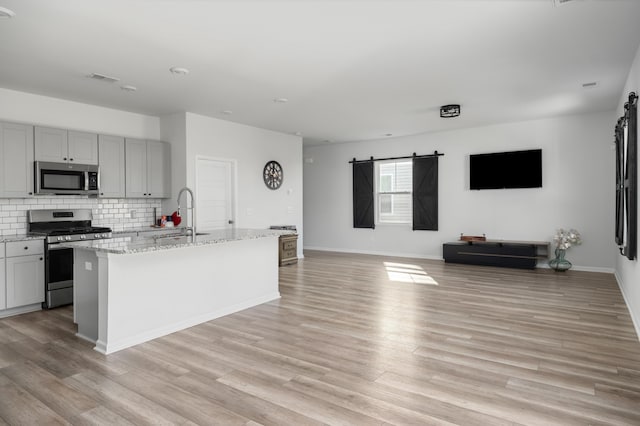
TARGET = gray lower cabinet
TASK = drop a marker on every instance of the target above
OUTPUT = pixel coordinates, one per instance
(3, 284)
(112, 166)
(16, 160)
(148, 169)
(24, 273)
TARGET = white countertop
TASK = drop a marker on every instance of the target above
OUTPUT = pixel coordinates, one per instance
(20, 237)
(149, 229)
(142, 244)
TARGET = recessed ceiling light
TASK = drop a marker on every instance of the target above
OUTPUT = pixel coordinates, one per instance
(227, 112)
(281, 100)
(179, 70)
(327, 140)
(298, 133)
(590, 84)
(388, 134)
(128, 88)
(6, 13)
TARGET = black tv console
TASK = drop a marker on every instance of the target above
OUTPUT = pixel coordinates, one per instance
(503, 253)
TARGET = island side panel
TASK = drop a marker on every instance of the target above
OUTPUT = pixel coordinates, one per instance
(85, 293)
(156, 293)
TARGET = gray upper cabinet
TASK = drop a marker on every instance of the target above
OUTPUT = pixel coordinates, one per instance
(65, 146)
(51, 144)
(83, 147)
(136, 168)
(148, 169)
(112, 162)
(16, 160)
(158, 169)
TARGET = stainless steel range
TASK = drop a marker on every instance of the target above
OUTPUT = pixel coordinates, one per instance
(62, 226)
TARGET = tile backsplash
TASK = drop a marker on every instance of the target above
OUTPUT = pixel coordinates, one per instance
(119, 214)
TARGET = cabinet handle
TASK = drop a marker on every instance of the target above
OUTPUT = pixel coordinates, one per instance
(40, 258)
(70, 159)
(65, 158)
(102, 193)
(26, 248)
(149, 194)
(31, 193)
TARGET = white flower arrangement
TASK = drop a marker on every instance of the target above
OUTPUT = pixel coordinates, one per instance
(565, 239)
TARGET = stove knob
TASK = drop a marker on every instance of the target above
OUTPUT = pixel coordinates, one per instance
(96, 235)
(83, 237)
(60, 238)
(68, 238)
(104, 235)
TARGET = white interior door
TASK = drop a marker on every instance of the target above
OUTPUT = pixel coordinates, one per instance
(214, 194)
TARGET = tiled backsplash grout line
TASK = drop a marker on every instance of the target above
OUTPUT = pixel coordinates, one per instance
(115, 213)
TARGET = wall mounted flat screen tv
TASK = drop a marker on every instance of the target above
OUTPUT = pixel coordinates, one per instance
(499, 170)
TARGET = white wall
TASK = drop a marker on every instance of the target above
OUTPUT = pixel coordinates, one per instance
(173, 129)
(46, 111)
(578, 190)
(252, 148)
(628, 271)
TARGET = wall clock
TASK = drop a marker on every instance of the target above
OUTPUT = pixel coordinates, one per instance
(272, 175)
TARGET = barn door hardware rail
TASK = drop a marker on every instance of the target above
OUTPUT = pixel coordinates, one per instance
(435, 154)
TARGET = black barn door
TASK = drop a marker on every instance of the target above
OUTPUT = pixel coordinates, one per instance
(363, 216)
(425, 193)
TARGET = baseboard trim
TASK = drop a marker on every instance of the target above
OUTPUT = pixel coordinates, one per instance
(634, 319)
(20, 310)
(588, 269)
(543, 265)
(376, 253)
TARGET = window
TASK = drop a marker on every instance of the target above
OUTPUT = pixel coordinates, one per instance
(393, 191)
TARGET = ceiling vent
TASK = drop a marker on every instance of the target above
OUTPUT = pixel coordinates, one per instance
(103, 78)
(558, 3)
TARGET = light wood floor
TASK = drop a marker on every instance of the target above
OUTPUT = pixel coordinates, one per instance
(354, 340)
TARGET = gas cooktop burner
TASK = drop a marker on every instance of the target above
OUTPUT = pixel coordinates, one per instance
(65, 225)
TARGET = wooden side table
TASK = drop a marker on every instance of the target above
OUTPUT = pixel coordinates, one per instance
(288, 249)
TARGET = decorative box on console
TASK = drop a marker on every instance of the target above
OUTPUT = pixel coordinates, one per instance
(288, 245)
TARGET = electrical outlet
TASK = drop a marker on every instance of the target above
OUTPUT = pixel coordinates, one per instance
(88, 266)
(133, 214)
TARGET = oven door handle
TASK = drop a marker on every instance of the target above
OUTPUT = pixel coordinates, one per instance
(54, 247)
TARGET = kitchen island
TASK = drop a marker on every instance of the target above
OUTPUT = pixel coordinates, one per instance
(130, 290)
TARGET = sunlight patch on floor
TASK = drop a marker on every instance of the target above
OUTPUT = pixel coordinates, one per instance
(407, 273)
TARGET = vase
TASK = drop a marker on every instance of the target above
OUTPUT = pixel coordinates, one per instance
(560, 264)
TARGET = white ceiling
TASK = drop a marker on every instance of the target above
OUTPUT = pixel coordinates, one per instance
(351, 69)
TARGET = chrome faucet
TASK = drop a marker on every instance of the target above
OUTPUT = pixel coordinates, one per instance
(193, 201)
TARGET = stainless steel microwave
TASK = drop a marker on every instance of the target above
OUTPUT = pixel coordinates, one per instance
(66, 178)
